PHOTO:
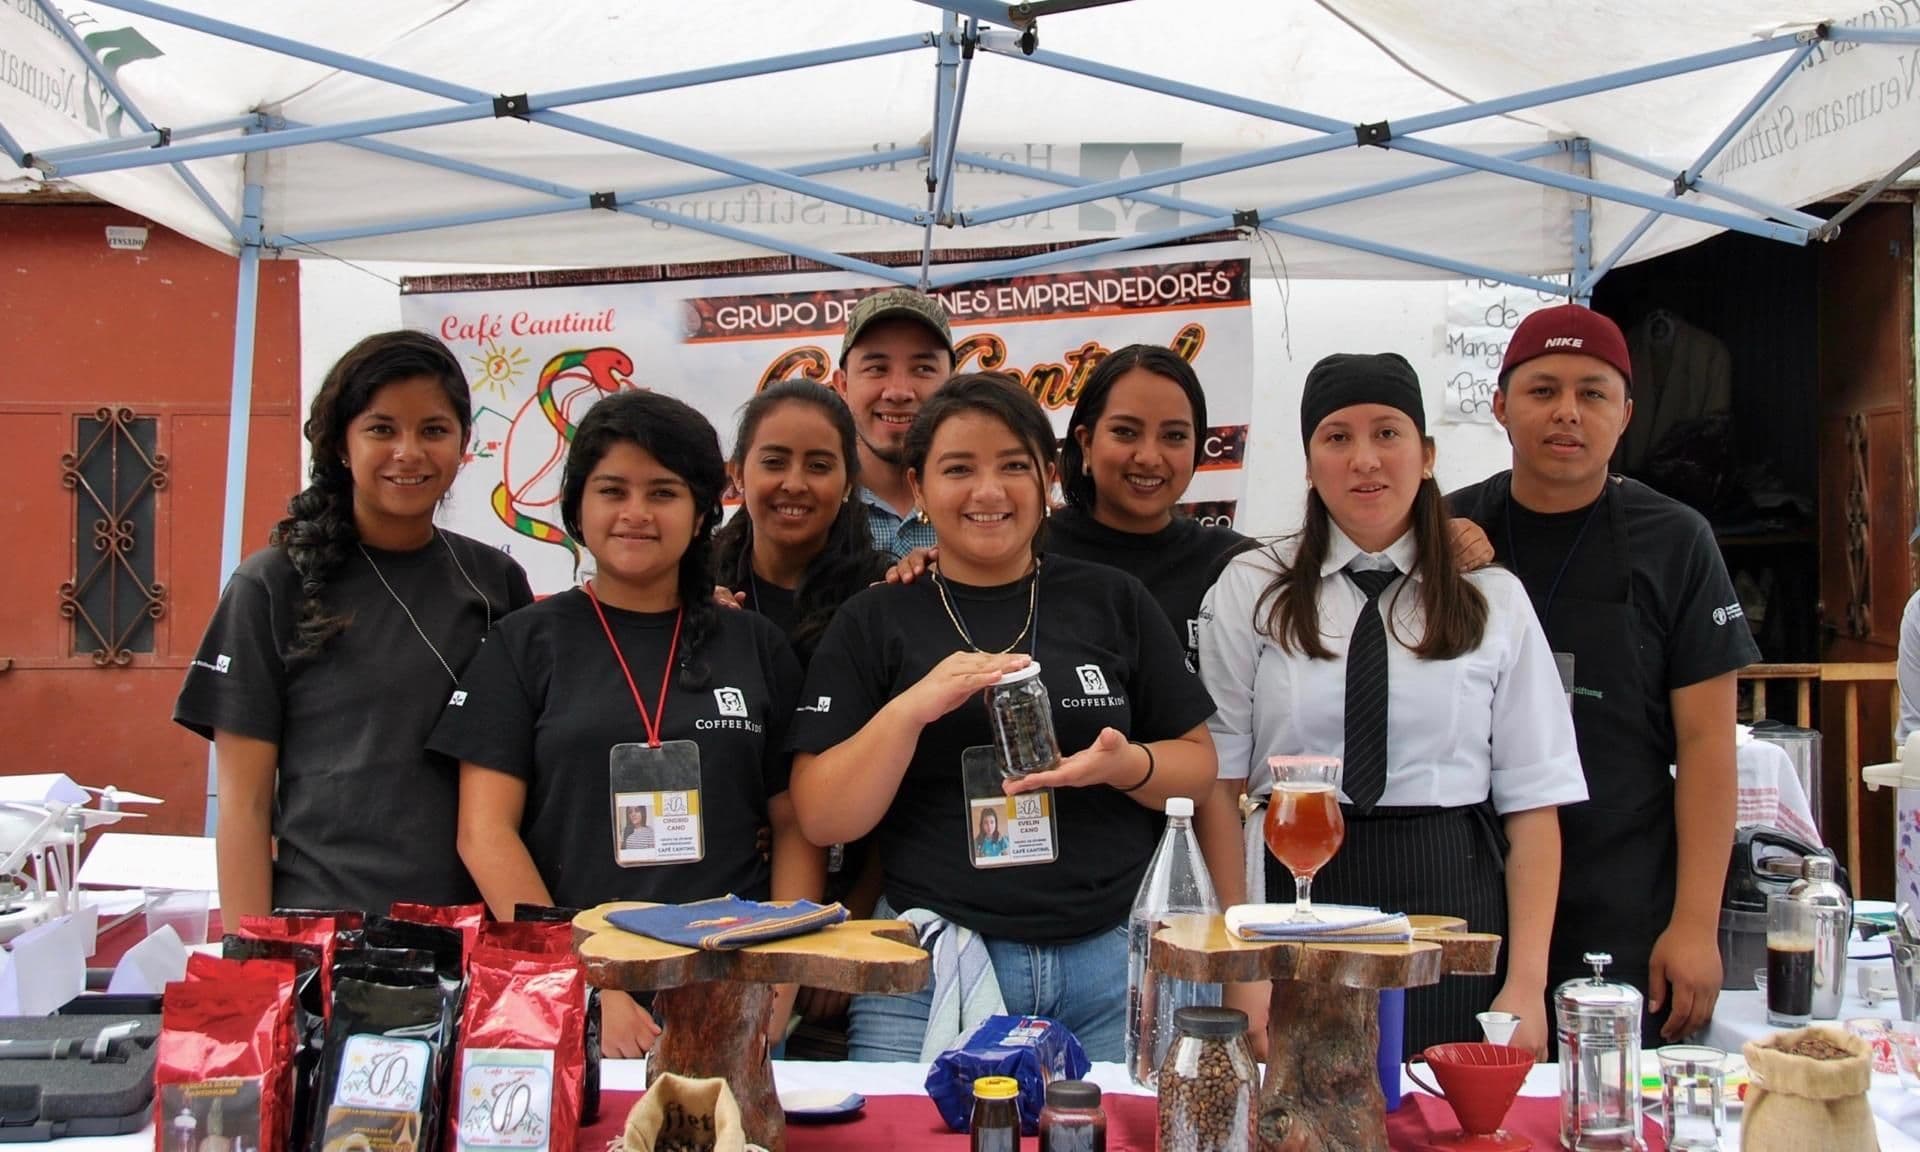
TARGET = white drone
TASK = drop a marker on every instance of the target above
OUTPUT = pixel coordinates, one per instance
(44, 820)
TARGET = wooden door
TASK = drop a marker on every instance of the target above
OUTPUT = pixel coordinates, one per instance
(114, 376)
(1866, 499)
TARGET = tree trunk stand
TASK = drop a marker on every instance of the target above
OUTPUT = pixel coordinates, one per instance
(714, 1004)
(1321, 1092)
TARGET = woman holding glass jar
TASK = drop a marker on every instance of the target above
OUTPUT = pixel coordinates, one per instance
(1359, 636)
(893, 738)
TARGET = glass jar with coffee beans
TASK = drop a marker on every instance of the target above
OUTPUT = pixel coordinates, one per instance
(1022, 724)
(1209, 1084)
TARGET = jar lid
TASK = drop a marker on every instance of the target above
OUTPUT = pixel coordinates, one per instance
(1017, 675)
(1817, 867)
(1073, 1094)
(996, 1088)
(1210, 1021)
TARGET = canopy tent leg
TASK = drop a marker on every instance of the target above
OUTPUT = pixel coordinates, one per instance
(1683, 183)
(947, 92)
(12, 148)
(1578, 290)
(943, 208)
(246, 311)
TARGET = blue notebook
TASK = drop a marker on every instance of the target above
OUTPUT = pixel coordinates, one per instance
(727, 922)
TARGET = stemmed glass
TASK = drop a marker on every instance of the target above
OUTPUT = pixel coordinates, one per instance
(1304, 826)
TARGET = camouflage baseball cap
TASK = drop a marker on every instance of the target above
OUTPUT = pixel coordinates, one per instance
(896, 304)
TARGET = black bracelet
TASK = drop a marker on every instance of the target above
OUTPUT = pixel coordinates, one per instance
(1149, 775)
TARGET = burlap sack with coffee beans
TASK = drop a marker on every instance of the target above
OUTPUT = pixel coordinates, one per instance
(1809, 1093)
(679, 1114)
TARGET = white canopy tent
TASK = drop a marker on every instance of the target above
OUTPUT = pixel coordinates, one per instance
(1359, 138)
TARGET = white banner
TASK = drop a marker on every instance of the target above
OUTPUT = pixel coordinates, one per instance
(1481, 317)
(539, 357)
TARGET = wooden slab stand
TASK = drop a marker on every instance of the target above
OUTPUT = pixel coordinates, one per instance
(1322, 1089)
(713, 1005)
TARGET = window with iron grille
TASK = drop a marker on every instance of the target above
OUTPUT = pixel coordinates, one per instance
(115, 471)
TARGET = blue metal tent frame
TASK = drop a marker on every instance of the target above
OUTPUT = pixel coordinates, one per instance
(966, 28)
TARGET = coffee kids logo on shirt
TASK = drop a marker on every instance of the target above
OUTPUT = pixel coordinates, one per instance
(731, 703)
(823, 705)
(459, 700)
(1093, 690)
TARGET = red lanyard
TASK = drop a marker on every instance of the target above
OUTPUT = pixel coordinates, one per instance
(666, 676)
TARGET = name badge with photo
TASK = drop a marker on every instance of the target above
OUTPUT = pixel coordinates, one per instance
(654, 798)
(1005, 831)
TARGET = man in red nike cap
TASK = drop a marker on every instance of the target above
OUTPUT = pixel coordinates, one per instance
(1649, 635)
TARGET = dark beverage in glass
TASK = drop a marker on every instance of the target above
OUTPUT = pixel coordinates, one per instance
(1789, 981)
(1789, 962)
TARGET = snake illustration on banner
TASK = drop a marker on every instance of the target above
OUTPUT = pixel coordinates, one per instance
(588, 374)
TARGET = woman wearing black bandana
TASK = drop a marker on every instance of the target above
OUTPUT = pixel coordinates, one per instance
(1359, 637)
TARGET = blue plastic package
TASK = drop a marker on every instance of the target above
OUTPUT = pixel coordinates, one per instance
(1032, 1049)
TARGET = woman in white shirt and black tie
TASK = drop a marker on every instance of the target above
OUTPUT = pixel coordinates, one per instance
(1453, 771)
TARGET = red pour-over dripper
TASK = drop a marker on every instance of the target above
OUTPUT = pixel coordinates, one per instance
(1479, 1082)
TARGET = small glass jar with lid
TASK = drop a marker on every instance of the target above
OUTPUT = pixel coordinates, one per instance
(1022, 720)
(995, 1124)
(1209, 1084)
(1072, 1120)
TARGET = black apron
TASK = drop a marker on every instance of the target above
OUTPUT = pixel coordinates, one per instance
(1435, 861)
(1619, 850)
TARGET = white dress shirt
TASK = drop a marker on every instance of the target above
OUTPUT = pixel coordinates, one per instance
(1909, 666)
(1493, 722)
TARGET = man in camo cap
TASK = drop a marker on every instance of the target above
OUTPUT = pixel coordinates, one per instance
(898, 350)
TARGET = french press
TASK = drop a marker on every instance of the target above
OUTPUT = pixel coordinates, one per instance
(1599, 1025)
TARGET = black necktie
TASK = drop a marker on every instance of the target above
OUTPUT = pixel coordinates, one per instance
(1364, 774)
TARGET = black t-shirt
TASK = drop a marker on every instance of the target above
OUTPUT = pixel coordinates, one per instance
(546, 702)
(1096, 628)
(363, 813)
(771, 601)
(1686, 619)
(1178, 564)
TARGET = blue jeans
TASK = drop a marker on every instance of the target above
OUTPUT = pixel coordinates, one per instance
(1082, 985)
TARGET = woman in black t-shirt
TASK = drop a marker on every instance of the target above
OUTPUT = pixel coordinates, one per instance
(796, 551)
(799, 546)
(332, 651)
(635, 690)
(890, 740)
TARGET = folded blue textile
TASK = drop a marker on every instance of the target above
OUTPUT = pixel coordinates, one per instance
(727, 922)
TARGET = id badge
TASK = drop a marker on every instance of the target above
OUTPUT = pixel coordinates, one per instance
(654, 794)
(1563, 662)
(1005, 831)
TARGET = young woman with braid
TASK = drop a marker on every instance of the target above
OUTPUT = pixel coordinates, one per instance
(634, 690)
(333, 651)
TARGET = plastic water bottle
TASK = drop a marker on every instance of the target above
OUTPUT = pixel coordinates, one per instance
(1177, 883)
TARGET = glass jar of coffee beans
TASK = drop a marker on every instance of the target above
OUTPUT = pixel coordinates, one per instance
(1209, 1083)
(1022, 724)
